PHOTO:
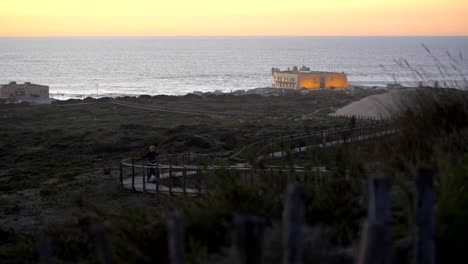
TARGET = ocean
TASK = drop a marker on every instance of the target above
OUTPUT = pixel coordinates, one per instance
(76, 67)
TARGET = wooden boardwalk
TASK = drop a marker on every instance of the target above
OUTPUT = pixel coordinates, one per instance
(188, 166)
(151, 187)
(279, 154)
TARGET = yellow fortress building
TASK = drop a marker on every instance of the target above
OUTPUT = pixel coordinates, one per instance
(305, 78)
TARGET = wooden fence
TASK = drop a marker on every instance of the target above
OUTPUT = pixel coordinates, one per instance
(194, 179)
(376, 244)
(187, 172)
(286, 145)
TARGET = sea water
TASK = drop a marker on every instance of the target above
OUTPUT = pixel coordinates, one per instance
(111, 66)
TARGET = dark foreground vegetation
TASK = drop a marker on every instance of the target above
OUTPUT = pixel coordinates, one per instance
(59, 176)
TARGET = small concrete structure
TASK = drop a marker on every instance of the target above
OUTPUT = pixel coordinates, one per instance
(305, 78)
(238, 92)
(24, 92)
(394, 85)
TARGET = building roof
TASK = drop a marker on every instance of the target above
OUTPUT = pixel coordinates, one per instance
(22, 84)
(307, 72)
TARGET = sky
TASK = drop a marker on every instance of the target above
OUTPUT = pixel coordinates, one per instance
(232, 17)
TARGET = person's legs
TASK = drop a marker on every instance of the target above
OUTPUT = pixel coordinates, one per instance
(150, 171)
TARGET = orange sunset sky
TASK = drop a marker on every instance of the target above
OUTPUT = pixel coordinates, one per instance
(228, 17)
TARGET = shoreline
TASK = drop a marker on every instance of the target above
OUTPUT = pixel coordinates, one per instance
(263, 91)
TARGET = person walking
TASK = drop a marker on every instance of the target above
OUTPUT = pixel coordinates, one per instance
(152, 156)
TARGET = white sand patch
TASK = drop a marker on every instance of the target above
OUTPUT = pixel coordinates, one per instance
(382, 106)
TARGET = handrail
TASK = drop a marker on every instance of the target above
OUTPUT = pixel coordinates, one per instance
(267, 143)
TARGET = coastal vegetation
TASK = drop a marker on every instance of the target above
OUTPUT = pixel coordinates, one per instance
(59, 181)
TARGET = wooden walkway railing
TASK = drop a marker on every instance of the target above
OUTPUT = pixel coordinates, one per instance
(279, 148)
(193, 180)
(193, 168)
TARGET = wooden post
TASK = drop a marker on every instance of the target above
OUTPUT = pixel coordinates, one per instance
(45, 250)
(316, 178)
(335, 133)
(319, 177)
(184, 175)
(121, 173)
(170, 178)
(248, 239)
(425, 217)
(323, 140)
(305, 176)
(272, 148)
(103, 246)
(133, 174)
(376, 243)
(157, 182)
(293, 220)
(251, 177)
(198, 179)
(272, 181)
(176, 238)
(364, 131)
(144, 176)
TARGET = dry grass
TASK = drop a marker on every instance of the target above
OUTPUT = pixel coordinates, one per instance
(56, 161)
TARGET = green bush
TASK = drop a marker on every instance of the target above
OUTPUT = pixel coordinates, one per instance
(452, 204)
(336, 204)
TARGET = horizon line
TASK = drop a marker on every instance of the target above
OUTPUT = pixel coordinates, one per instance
(214, 36)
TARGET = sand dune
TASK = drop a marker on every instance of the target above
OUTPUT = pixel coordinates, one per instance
(381, 106)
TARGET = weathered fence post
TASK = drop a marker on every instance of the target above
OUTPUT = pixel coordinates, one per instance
(362, 131)
(284, 147)
(323, 139)
(44, 248)
(376, 244)
(248, 239)
(133, 174)
(251, 177)
(272, 148)
(176, 238)
(144, 176)
(121, 173)
(198, 179)
(272, 180)
(170, 178)
(425, 217)
(317, 178)
(293, 220)
(157, 182)
(103, 247)
(184, 175)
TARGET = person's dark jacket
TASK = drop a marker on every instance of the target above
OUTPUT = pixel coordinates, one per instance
(152, 156)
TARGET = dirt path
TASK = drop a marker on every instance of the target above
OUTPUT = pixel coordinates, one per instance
(177, 111)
